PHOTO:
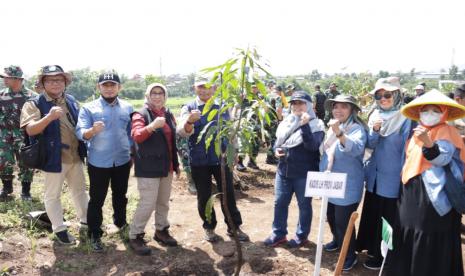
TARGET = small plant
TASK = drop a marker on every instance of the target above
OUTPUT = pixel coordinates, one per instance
(235, 78)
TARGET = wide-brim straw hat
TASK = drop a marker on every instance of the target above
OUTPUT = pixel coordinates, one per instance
(342, 99)
(433, 97)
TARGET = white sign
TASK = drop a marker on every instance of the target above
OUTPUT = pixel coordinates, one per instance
(332, 185)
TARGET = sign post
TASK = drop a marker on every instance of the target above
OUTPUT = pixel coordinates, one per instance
(319, 245)
(326, 185)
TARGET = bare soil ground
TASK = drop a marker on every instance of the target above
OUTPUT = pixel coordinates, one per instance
(27, 250)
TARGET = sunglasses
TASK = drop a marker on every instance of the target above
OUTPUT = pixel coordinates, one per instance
(385, 95)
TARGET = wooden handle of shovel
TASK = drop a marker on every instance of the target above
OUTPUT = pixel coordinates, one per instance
(345, 244)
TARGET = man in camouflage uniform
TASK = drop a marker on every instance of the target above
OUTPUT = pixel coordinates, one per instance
(319, 99)
(331, 93)
(274, 99)
(255, 143)
(12, 99)
(183, 152)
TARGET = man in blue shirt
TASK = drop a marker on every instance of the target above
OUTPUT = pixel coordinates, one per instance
(105, 125)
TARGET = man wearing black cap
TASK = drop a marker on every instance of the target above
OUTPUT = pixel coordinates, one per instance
(12, 99)
(105, 125)
(53, 114)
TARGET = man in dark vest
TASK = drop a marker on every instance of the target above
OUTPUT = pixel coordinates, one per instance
(105, 125)
(205, 163)
(12, 99)
(53, 114)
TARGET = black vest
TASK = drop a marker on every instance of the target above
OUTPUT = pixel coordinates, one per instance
(151, 158)
(52, 133)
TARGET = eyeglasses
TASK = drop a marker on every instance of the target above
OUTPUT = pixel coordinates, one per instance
(153, 95)
(54, 81)
(385, 95)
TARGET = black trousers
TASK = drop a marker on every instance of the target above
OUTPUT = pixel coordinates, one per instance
(100, 179)
(338, 219)
(202, 176)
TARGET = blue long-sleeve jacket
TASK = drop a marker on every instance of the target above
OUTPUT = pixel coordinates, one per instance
(434, 178)
(303, 158)
(349, 159)
(386, 161)
(112, 146)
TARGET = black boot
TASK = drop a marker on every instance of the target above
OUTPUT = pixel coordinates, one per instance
(240, 166)
(26, 191)
(252, 165)
(7, 189)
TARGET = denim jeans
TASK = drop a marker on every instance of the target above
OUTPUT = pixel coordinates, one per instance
(284, 189)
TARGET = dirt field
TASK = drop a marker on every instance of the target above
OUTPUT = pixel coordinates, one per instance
(28, 251)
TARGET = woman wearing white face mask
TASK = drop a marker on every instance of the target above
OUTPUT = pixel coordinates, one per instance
(387, 135)
(426, 239)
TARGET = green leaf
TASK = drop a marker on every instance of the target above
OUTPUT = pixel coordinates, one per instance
(209, 136)
(261, 87)
(218, 146)
(209, 207)
(204, 130)
(208, 105)
(226, 108)
(251, 63)
(212, 114)
(267, 118)
(230, 155)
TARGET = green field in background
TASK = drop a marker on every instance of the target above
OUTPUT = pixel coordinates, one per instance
(173, 103)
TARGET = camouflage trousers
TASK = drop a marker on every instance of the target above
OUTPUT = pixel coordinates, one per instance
(183, 153)
(271, 139)
(185, 165)
(9, 157)
(253, 152)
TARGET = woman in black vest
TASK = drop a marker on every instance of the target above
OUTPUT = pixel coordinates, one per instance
(155, 160)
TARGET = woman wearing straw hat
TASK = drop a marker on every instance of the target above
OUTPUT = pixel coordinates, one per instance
(387, 135)
(427, 237)
(344, 149)
(155, 161)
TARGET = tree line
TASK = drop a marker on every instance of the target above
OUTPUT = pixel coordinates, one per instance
(83, 86)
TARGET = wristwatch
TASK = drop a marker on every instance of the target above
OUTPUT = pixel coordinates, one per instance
(340, 134)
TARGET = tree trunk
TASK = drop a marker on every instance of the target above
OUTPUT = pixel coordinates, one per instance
(231, 223)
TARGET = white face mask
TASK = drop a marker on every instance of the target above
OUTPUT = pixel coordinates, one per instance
(430, 118)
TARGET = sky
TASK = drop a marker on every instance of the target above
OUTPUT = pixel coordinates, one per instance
(294, 37)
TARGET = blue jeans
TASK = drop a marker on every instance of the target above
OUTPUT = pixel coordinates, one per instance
(284, 189)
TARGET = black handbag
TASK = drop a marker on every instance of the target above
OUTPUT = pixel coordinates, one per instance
(32, 153)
